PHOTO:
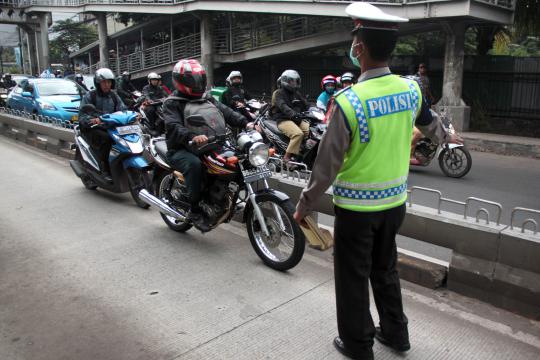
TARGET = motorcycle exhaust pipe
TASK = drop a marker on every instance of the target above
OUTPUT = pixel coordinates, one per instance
(151, 200)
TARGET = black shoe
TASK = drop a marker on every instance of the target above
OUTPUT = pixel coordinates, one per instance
(106, 176)
(401, 347)
(197, 219)
(340, 346)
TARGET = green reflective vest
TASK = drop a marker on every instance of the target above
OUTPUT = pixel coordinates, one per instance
(380, 113)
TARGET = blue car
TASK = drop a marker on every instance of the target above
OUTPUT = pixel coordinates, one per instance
(57, 98)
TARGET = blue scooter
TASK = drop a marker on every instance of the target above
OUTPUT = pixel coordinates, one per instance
(130, 171)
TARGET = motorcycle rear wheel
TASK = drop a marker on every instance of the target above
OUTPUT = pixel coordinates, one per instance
(455, 163)
(284, 248)
(163, 187)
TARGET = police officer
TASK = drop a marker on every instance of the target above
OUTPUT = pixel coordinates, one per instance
(366, 151)
(106, 101)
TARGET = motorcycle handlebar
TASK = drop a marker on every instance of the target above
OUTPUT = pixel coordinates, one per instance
(211, 139)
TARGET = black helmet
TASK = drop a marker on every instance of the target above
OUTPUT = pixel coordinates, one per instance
(103, 74)
(290, 80)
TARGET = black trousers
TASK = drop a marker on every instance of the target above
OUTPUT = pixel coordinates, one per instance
(365, 249)
(191, 167)
(101, 142)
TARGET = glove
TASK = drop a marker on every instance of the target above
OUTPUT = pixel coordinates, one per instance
(297, 118)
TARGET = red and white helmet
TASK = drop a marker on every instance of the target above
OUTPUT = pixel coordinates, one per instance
(328, 79)
(189, 77)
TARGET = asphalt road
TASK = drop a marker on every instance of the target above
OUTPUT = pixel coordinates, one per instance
(88, 275)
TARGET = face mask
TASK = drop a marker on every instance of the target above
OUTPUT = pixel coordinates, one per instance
(330, 90)
(353, 58)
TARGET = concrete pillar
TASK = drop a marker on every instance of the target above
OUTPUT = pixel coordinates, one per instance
(207, 48)
(102, 33)
(44, 61)
(454, 57)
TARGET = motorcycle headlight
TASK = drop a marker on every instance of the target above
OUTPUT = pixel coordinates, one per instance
(258, 154)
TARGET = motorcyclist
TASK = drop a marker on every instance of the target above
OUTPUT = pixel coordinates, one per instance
(235, 96)
(8, 82)
(152, 92)
(106, 101)
(125, 88)
(58, 74)
(328, 85)
(80, 81)
(287, 104)
(189, 79)
(347, 80)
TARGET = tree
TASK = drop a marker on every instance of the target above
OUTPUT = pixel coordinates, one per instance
(70, 36)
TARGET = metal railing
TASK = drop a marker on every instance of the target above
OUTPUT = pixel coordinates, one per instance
(507, 4)
(250, 36)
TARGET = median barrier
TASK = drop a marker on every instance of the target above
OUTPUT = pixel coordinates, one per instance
(44, 133)
(496, 263)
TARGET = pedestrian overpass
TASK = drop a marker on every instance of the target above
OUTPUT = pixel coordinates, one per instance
(280, 27)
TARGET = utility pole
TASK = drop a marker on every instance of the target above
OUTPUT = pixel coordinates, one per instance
(2, 58)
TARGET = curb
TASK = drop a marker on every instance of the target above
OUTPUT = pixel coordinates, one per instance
(502, 147)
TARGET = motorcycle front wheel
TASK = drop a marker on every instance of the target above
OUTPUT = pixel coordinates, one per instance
(284, 247)
(165, 185)
(139, 179)
(456, 162)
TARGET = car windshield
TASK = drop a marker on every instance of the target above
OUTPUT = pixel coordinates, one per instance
(48, 88)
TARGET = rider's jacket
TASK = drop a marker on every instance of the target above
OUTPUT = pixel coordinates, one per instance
(323, 100)
(283, 107)
(105, 103)
(380, 114)
(233, 94)
(177, 107)
(154, 92)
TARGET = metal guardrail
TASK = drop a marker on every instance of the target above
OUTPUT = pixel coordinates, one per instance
(56, 122)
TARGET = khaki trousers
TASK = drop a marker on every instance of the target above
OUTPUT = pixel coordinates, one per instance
(295, 133)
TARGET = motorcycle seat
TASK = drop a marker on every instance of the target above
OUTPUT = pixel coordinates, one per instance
(272, 126)
(161, 149)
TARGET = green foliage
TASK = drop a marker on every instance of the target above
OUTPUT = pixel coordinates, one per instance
(70, 36)
(520, 47)
(126, 18)
(8, 54)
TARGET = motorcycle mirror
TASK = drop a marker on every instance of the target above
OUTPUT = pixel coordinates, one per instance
(196, 120)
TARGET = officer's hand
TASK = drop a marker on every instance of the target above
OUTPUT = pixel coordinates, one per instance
(300, 220)
(200, 140)
(455, 139)
(95, 121)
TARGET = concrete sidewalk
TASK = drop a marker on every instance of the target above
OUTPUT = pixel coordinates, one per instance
(503, 144)
(88, 275)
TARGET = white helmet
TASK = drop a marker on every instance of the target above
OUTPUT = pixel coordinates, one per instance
(290, 80)
(232, 75)
(153, 76)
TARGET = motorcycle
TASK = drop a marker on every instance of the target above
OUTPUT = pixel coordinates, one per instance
(129, 169)
(236, 173)
(310, 145)
(454, 159)
(157, 126)
(3, 96)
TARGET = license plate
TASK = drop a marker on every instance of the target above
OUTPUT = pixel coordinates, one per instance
(261, 172)
(130, 129)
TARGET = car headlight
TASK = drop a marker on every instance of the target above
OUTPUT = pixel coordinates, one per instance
(47, 106)
(258, 154)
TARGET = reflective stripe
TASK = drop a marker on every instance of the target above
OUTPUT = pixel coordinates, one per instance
(370, 194)
(363, 202)
(415, 99)
(359, 186)
(356, 103)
